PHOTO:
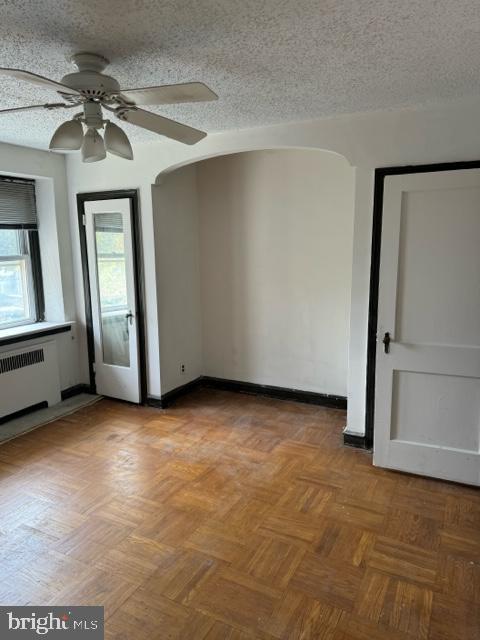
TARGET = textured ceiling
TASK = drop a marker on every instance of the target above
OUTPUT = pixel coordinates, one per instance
(270, 61)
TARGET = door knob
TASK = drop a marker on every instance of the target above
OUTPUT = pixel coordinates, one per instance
(386, 342)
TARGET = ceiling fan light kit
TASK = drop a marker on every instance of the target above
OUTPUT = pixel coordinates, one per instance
(92, 90)
(116, 141)
(68, 136)
(93, 146)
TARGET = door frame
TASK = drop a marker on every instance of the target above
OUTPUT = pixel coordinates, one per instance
(379, 184)
(138, 277)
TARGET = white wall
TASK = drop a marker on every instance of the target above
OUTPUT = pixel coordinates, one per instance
(48, 170)
(276, 234)
(115, 173)
(178, 278)
(409, 136)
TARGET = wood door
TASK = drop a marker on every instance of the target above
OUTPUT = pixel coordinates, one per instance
(427, 401)
(113, 299)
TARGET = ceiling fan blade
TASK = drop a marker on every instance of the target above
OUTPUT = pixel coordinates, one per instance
(19, 74)
(163, 126)
(53, 105)
(170, 94)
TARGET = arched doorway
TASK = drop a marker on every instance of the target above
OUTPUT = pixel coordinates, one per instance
(264, 265)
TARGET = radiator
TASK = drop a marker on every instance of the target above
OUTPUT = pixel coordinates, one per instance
(28, 376)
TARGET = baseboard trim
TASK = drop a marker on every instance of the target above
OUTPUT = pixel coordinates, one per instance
(278, 393)
(170, 397)
(69, 392)
(23, 412)
(223, 384)
(354, 440)
(156, 403)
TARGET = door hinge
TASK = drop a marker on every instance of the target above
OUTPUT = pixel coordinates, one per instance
(94, 367)
(84, 222)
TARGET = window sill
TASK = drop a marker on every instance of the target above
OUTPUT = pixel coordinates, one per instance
(32, 331)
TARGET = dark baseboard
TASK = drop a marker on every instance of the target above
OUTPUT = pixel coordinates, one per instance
(279, 393)
(156, 403)
(221, 384)
(23, 412)
(75, 390)
(353, 440)
(170, 397)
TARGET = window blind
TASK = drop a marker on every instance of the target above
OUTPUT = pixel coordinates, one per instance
(110, 222)
(17, 203)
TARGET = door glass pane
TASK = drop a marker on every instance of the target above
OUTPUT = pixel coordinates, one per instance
(112, 288)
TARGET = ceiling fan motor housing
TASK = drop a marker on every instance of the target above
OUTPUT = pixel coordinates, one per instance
(92, 84)
(89, 79)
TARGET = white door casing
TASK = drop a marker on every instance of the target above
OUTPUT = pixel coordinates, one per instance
(108, 226)
(427, 391)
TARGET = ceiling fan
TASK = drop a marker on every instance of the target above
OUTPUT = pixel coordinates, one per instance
(93, 91)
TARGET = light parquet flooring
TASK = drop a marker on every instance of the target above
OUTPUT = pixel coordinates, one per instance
(233, 517)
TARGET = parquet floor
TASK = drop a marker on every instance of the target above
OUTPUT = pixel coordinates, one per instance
(232, 517)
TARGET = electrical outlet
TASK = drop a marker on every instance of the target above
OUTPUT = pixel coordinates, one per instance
(182, 369)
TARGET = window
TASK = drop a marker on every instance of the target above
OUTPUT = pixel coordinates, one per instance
(21, 292)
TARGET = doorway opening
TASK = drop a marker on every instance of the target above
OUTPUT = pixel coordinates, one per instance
(260, 244)
(111, 252)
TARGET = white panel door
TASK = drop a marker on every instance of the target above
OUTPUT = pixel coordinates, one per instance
(112, 288)
(427, 398)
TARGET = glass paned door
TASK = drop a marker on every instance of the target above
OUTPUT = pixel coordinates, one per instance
(112, 291)
(112, 288)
